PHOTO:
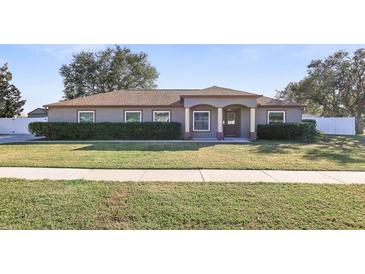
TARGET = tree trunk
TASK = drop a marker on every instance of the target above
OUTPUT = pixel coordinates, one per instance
(359, 125)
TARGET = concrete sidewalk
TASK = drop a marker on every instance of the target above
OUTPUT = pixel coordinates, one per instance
(203, 175)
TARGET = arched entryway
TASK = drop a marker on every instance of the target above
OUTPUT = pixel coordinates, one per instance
(232, 121)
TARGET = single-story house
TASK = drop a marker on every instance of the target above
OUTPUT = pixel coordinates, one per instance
(213, 112)
(37, 113)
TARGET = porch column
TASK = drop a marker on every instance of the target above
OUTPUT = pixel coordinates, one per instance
(253, 124)
(220, 124)
(187, 124)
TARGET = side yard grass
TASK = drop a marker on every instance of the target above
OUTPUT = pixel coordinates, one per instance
(104, 205)
(331, 153)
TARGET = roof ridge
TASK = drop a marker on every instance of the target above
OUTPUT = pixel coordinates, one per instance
(159, 89)
(231, 89)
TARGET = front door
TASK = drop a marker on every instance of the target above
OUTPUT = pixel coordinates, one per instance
(231, 123)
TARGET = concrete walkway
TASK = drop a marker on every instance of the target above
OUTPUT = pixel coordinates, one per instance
(203, 175)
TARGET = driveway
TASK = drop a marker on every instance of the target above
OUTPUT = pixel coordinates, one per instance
(16, 138)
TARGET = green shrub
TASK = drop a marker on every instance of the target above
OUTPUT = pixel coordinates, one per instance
(107, 131)
(303, 132)
(310, 121)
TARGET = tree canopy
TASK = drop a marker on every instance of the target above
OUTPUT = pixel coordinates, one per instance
(334, 86)
(107, 70)
(11, 103)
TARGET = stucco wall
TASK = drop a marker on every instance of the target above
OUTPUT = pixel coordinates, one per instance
(220, 102)
(112, 114)
(213, 122)
(293, 114)
(245, 122)
(115, 114)
(244, 127)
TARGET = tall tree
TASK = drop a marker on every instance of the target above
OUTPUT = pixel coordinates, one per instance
(111, 69)
(300, 92)
(337, 86)
(11, 103)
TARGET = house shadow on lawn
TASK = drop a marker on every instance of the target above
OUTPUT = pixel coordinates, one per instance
(276, 147)
(342, 149)
(145, 146)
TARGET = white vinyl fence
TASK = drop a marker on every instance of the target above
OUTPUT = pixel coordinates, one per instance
(17, 125)
(336, 125)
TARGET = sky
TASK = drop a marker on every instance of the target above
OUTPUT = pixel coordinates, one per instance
(261, 69)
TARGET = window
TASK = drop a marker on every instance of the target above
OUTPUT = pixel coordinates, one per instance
(274, 117)
(231, 118)
(201, 120)
(133, 116)
(161, 116)
(86, 116)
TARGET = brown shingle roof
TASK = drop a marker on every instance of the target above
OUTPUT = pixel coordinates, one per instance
(272, 102)
(125, 98)
(153, 97)
(219, 91)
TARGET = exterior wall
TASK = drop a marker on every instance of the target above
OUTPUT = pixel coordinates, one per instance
(40, 115)
(113, 114)
(220, 102)
(245, 122)
(213, 122)
(116, 114)
(292, 114)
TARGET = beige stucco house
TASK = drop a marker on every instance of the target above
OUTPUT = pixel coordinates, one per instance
(213, 112)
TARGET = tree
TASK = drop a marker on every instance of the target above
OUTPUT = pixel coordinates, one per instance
(334, 86)
(111, 69)
(10, 97)
(300, 92)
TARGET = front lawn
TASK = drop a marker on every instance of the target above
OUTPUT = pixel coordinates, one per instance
(105, 205)
(334, 153)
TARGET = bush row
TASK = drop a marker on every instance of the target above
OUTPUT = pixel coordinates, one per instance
(106, 131)
(303, 132)
(314, 122)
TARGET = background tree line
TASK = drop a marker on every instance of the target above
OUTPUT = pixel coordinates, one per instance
(334, 86)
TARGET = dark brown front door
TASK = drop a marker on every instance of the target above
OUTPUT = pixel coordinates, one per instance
(231, 122)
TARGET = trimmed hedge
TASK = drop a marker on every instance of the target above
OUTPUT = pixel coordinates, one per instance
(107, 131)
(303, 132)
(314, 122)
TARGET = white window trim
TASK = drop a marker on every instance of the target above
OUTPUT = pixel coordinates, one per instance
(275, 111)
(132, 111)
(161, 111)
(200, 111)
(85, 111)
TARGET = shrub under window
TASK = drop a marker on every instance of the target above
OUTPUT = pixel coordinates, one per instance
(303, 132)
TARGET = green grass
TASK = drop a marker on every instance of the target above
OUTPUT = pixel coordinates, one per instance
(105, 205)
(333, 153)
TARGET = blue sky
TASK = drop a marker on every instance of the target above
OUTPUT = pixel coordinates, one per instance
(256, 68)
